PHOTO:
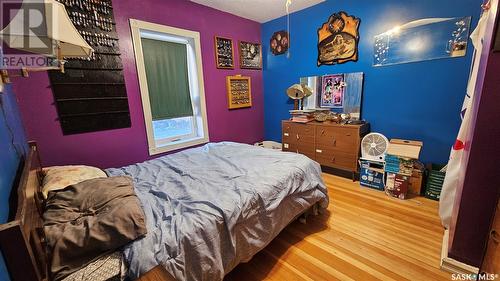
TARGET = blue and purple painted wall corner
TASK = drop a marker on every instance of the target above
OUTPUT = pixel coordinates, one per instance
(418, 101)
(13, 148)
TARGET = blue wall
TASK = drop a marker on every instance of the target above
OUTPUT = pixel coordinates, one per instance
(419, 101)
(13, 146)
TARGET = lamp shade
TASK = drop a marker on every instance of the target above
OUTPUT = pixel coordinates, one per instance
(308, 91)
(295, 92)
(49, 27)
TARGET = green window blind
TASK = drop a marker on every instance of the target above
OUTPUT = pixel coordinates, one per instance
(167, 76)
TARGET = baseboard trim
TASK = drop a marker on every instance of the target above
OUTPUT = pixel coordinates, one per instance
(452, 265)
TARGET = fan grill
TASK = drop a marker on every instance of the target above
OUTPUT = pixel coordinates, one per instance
(374, 146)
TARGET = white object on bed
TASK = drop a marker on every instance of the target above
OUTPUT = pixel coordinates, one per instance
(108, 267)
(269, 144)
(59, 177)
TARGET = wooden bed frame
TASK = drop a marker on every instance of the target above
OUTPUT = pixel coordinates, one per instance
(22, 240)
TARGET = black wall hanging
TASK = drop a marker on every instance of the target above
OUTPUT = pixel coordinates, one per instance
(91, 96)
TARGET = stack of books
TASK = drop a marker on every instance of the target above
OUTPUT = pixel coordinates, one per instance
(302, 116)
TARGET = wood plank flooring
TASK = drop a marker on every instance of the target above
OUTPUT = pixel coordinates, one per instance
(363, 235)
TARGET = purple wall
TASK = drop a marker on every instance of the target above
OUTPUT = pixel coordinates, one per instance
(124, 146)
(481, 188)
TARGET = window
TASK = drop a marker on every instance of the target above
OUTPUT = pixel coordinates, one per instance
(170, 74)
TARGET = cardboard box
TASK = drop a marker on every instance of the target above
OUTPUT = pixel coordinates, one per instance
(405, 148)
(415, 183)
(396, 185)
(371, 174)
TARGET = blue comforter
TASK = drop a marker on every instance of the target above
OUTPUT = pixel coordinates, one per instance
(209, 208)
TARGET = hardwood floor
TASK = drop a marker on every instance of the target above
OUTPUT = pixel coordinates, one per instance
(363, 235)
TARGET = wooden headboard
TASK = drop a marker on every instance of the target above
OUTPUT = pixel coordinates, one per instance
(21, 240)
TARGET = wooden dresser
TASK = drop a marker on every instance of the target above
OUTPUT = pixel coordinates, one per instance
(330, 144)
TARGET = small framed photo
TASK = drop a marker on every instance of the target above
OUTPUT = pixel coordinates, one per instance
(250, 55)
(224, 53)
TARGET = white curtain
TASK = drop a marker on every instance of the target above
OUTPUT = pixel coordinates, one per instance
(451, 181)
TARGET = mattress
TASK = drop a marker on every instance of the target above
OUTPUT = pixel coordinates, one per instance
(209, 208)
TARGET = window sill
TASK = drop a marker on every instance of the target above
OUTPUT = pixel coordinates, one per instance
(178, 145)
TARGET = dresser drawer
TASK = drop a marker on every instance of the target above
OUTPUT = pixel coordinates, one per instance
(291, 147)
(344, 139)
(287, 134)
(307, 149)
(304, 133)
(334, 158)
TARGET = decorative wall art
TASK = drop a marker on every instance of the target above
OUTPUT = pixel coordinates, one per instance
(421, 40)
(250, 55)
(332, 91)
(338, 39)
(279, 42)
(224, 53)
(239, 92)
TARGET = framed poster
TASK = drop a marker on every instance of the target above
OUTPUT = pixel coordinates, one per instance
(224, 53)
(338, 39)
(250, 55)
(239, 91)
(332, 91)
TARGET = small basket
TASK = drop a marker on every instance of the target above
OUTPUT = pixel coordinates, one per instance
(435, 181)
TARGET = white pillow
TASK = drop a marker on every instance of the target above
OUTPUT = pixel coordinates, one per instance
(59, 177)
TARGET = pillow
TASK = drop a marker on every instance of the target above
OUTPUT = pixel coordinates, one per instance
(90, 219)
(58, 177)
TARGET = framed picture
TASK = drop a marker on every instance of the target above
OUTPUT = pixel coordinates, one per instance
(239, 91)
(338, 39)
(332, 91)
(250, 55)
(224, 53)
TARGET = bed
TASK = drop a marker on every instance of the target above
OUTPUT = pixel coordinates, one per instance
(207, 209)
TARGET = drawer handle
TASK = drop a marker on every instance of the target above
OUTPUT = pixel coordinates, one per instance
(334, 142)
(333, 159)
(322, 132)
(285, 145)
(298, 136)
(286, 134)
(493, 236)
(319, 151)
(348, 134)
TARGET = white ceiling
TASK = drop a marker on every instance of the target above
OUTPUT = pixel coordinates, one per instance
(258, 10)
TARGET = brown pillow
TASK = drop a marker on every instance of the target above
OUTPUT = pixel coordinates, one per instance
(89, 219)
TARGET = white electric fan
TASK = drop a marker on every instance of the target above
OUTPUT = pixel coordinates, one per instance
(374, 147)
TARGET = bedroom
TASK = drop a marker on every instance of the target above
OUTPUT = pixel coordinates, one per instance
(111, 119)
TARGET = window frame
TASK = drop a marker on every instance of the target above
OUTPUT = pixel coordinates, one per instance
(200, 122)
